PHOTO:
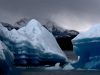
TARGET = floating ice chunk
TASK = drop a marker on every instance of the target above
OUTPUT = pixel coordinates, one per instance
(87, 46)
(56, 67)
(33, 44)
(68, 67)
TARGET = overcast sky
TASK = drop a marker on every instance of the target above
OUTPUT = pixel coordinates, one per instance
(69, 14)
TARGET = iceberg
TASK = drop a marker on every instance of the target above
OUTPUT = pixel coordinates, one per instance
(6, 59)
(32, 45)
(87, 46)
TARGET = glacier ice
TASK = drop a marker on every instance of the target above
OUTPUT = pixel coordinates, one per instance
(32, 44)
(6, 59)
(87, 46)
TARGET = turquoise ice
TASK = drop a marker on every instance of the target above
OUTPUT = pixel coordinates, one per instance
(87, 46)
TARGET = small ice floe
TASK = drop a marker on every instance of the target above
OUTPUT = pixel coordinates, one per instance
(56, 67)
(68, 67)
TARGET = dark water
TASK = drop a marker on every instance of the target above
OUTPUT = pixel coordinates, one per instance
(41, 71)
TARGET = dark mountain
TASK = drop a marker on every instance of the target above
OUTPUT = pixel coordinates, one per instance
(9, 26)
(22, 22)
(17, 25)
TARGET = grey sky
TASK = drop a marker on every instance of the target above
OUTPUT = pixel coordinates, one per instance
(70, 14)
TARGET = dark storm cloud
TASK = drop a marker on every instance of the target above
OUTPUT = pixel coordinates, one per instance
(72, 14)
